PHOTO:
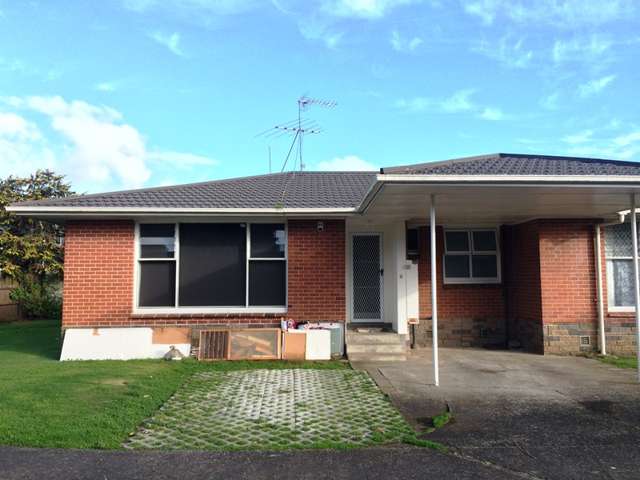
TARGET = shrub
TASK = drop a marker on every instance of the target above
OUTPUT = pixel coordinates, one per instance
(37, 300)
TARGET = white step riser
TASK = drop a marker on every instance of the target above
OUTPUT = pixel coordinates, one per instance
(379, 339)
(375, 348)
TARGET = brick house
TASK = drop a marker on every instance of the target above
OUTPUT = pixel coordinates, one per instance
(530, 250)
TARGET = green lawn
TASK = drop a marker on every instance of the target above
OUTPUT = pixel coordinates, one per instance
(620, 362)
(90, 404)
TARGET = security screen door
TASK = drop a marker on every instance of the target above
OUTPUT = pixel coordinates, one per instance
(367, 277)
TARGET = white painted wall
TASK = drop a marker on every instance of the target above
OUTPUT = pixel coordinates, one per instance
(113, 344)
(406, 282)
(400, 285)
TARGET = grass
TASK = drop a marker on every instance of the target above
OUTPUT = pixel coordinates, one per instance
(89, 404)
(620, 362)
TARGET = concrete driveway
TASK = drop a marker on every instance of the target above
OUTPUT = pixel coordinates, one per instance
(537, 416)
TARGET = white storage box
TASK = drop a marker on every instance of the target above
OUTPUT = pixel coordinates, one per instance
(318, 345)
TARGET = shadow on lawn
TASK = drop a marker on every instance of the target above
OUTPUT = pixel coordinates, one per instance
(41, 338)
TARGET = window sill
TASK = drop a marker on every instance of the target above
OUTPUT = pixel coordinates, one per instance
(621, 311)
(479, 281)
(208, 311)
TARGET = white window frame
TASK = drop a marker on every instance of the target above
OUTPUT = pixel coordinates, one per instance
(469, 253)
(610, 287)
(177, 309)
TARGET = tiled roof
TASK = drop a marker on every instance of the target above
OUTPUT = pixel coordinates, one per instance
(330, 190)
(520, 164)
(278, 190)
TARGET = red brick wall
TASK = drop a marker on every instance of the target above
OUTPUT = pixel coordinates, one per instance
(98, 273)
(521, 255)
(98, 282)
(567, 268)
(316, 270)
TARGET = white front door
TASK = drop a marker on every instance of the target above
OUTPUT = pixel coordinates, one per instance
(367, 273)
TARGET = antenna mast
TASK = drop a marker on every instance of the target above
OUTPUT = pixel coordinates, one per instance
(298, 127)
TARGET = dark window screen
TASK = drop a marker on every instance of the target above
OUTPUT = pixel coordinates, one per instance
(157, 284)
(212, 264)
(267, 240)
(157, 240)
(484, 266)
(457, 241)
(267, 283)
(456, 266)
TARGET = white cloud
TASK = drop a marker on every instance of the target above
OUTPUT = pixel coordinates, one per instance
(585, 50)
(509, 53)
(550, 102)
(625, 146)
(362, 8)
(14, 126)
(628, 139)
(91, 144)
(593, 87)
(346, 163)
(580, 137)
(317, 31)
(493, 114)
(401, 44)
(559, 13)
(192, 7)
(105, 87)
(460, 101)
(172, 42)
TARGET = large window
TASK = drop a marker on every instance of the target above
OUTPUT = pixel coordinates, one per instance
(471, 256)
(219, 266)
(618, 252)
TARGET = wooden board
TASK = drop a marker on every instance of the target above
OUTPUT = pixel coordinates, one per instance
(171, 335)
(294, 345)
(254, 344)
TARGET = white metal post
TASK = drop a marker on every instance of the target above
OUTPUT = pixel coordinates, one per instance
(434, 290)
(598, 264)
(636, 281)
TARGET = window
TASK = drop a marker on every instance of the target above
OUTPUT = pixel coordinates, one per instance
(471, 256)
(618, 252)
(218, 266)
(157, 265)
(412, 243)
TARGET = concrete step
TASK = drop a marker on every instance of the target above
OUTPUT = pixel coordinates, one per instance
(376, 348)
(378, 338)
(376, 357)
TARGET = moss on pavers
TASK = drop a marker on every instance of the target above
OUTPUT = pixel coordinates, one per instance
(274, 410)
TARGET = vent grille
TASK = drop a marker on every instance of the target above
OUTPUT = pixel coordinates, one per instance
(585, 341)
(214, 345)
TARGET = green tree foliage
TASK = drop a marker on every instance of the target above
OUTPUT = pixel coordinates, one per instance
(30, 249)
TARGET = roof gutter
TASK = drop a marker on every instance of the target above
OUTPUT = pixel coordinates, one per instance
(510, 179)
(54, 211)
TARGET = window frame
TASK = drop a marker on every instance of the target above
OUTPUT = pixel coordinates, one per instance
(471, 280)
(176, 308)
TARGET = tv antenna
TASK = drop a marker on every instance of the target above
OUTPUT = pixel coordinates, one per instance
(298, 127)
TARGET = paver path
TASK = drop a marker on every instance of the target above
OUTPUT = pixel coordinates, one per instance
(273, 409)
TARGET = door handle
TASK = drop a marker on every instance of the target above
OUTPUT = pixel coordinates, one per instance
(382, 272)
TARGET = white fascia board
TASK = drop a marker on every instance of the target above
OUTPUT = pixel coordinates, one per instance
(147, 211)
(510, 179)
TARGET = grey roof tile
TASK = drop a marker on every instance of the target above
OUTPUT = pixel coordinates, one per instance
(287, 190)
(520, 164)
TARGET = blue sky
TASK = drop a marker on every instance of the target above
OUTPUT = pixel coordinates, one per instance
(131, 93)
